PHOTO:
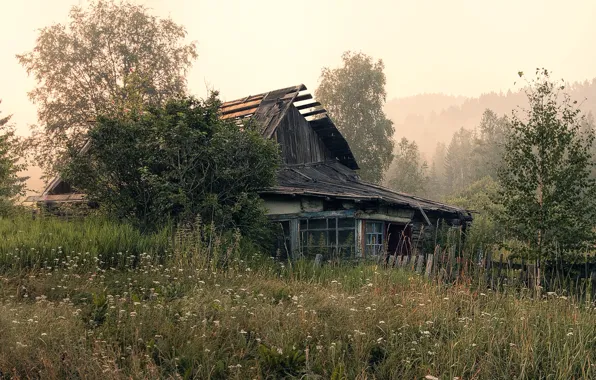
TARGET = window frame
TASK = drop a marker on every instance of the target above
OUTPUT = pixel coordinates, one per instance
(377, 234)
(332, 234)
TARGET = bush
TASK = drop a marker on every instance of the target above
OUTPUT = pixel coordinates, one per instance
(172, 163)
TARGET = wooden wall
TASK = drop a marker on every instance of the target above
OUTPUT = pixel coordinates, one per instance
(300, 144)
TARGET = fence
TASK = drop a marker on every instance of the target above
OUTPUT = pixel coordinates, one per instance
(445, 265)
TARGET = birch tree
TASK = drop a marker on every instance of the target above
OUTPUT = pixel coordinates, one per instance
(547, 191)
(83, 69)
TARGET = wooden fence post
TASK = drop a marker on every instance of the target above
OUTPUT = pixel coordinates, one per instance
(318, 260)
(530, 275)
(429, 265)
(450, 258)
(419, 263)
(488, 267)
(499, 271)
(391, 261)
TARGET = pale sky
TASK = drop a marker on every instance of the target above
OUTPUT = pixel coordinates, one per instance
(460, 47)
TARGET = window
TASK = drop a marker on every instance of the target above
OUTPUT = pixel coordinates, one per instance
(328, 236)
(374, 238)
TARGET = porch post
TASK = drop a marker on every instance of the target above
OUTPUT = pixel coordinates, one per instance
(295, 238)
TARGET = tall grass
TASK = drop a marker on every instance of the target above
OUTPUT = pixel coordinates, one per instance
(212, 309)
(47, 242)
(259, 319)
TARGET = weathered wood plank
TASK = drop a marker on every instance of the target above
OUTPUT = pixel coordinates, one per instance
(243, 100)
(488, 267)
(315, 112)
(243, 113)
(240, 107)
(420, 261)
(300, 98)
(404, 263)
(307, 105)
(429, 265)
(299, 143)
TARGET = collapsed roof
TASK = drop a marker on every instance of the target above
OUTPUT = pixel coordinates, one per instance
(269, 108)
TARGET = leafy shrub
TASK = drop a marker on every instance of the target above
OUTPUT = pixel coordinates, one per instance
(172, 163)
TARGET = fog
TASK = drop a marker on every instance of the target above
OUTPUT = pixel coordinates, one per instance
(457, 48)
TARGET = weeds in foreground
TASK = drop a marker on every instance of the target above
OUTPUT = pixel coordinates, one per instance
(259, 319)
(235, 314)
(47, 243)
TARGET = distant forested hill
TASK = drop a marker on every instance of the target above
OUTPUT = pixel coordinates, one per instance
(432, 118)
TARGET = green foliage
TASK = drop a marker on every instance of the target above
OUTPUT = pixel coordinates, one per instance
(588, 125)
(281, 365)
(175, 162)
(436, 175)
(354, 96)
(470, 156)
(408, 171)
(87, 243)
(338, 373)
(458, 161)
(83, 69)
(338, 322)
(547, 191)
(97, 312)
(489, 145)
(11, 184)
(482, 197)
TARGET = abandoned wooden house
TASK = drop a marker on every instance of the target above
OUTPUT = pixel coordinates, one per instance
(320, 203)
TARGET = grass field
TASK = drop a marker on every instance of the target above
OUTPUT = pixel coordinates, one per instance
(171, 314)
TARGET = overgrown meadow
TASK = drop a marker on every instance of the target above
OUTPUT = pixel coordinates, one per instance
(92, 299)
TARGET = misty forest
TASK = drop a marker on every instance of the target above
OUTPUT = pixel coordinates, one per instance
(331, 232)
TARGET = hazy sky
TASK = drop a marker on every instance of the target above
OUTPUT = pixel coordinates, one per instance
(462, 47)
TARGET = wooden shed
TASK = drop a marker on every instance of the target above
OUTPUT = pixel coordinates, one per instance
(320, 203)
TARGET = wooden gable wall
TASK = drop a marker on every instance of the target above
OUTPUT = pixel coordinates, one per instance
(300, 144)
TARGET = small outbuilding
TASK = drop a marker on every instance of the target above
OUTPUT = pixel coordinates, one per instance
(320, 203)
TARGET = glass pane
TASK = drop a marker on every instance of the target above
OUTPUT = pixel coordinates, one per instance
(374, 227)
(347, 251)
(317, 239)
(303, 224)
(317, 224)
(304, 239)
(346, 222)
(346, 238)
(379, 227)
(331, 223)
